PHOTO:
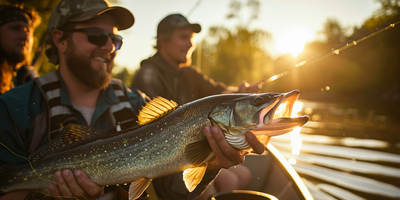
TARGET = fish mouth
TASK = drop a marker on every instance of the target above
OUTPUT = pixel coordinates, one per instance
(276, 119)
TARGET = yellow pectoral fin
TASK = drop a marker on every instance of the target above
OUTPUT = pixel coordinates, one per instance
(156, 109)
(138, 187)
(193, 176)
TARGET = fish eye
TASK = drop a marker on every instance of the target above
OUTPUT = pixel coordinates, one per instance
(258, 101)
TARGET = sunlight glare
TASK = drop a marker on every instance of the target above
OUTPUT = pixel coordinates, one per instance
(295, 134)
(292, 40)
(292, 161)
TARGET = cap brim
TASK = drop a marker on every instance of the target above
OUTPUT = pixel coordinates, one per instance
(196, 27)
(123, 17)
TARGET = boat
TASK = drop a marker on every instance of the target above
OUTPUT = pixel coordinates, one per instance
(273, 178)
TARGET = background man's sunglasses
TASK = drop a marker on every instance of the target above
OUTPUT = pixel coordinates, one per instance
(99, 37)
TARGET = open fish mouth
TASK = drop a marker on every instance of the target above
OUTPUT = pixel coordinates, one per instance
(276, 119)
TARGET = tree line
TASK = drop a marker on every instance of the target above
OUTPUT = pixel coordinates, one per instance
(367, 70)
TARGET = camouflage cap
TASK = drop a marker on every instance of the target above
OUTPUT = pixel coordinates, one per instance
(81, 10)
(176, 21)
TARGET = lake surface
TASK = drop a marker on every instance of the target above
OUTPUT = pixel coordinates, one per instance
(348, 150)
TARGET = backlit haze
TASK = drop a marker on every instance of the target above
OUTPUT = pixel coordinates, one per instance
(291, 22)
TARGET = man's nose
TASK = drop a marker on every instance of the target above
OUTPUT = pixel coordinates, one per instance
(190, 43)
(109, 46)
(24, 33)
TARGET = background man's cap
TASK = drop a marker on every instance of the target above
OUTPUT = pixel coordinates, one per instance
(176, 21)
(82, 10)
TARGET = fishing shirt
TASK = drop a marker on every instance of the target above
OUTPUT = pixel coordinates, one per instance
(157, 77)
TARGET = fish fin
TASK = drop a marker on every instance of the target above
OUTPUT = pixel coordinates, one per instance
(156, 109)
(138, 187)
(71, 136)
(193, 176)
(198, 152)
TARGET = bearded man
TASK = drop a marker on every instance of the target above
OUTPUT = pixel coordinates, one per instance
(16, 38)
(83, 35)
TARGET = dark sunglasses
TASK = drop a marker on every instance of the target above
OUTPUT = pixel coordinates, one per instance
(99, 37)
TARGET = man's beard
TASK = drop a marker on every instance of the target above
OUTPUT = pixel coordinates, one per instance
(81, 68)
(12, 58)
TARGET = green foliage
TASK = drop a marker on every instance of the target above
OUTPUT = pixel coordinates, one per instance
(123, 74)
(369, 69)
(232, 56)
(333, 31)
(236, 56)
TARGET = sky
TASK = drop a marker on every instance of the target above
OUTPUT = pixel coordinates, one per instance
(290, 22)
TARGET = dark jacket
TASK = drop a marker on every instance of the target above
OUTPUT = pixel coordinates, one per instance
(156, 77)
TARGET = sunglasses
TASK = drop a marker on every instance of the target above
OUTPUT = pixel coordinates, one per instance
(99, 37)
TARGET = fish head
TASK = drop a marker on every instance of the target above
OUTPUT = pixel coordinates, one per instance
(263, 114)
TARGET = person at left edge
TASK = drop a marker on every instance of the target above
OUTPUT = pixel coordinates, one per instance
(17, 25)
(84, 41)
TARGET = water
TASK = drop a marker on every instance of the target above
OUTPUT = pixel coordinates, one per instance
(348, 150)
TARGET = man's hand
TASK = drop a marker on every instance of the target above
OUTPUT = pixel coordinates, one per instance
(75, 184)
(245, 87)
(227, 156)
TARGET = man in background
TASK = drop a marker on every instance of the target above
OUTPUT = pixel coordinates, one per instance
(17, 25)
(169, 74)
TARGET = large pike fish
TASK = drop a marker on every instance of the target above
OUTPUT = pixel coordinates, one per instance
(170, 139)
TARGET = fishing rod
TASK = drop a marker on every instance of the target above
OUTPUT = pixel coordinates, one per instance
(333, 51)
(193, 8)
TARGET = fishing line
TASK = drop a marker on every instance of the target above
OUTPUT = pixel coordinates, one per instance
(194, 7)
(30, 163)
(333, 51)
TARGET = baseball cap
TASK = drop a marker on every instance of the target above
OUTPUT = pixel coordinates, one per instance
(82, 10)
(173, 21)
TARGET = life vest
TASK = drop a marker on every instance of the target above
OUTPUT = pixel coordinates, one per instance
(121, 114)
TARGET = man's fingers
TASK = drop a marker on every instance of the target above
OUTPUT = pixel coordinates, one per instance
(76, 189)
(228, 151)
(225, 153)
(62, 186)
(90, 187)
(255, 144)
(55, 193)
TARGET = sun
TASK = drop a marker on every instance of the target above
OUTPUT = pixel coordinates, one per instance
(292, 40)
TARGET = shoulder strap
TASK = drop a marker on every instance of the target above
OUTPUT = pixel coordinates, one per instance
(121, 114)
(58, 115)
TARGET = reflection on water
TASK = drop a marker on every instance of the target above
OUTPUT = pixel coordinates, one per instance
(345, 151)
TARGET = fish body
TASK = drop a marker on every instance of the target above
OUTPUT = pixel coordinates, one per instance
(162, 146)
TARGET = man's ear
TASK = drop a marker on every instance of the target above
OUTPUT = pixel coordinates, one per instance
(56, 36)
